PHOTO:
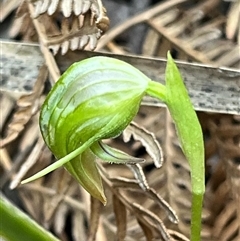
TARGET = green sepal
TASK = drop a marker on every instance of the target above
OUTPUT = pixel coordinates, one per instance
(84, 169)
(58, 163)
(112, 155)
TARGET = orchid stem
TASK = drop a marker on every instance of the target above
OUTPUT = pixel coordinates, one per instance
(157, 90)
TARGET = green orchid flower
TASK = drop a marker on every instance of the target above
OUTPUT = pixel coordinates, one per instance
(86, 106)
(96, 99)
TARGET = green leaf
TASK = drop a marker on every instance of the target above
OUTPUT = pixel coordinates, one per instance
(16, 225)
(175, 95)
(191, 138)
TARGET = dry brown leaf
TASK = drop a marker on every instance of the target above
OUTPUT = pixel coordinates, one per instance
(75, 33)
(225, 219)
(139, 175)
(60, 218)
(228, 142)
(59, 199)
(163, 204)
(6, 163)
(121, 182)
(60, 181)
(190, 32)
(127, 193)
(32, 202)
(27, 141)
(177, 236)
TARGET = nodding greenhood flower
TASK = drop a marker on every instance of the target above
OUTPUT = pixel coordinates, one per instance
(93, 100)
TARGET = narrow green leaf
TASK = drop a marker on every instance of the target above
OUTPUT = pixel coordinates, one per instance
(191, 138)
(16, 225)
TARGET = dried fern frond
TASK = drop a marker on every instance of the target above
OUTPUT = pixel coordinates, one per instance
(61, 24)
(121, 218)
(30, 161)
(233, 21)
(193, 33)
(228, 142)
(136, 196)
(74, 25)
(7, 6)
(73, 7)
(74, 33)
(67, 7)
(23, 25)
(27, 106)
(131, 202)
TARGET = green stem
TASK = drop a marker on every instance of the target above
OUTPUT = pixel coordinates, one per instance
(156, 90)
(190, 135)
(196, 215)
(16, 225)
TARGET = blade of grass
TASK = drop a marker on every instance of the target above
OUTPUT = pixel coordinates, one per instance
(16, 225)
